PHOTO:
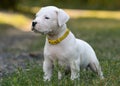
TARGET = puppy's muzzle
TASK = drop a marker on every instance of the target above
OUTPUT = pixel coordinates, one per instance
(33, 25)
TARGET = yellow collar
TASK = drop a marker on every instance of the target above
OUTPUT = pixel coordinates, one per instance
(53, 42)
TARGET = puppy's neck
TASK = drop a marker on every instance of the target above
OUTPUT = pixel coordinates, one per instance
(57, 33)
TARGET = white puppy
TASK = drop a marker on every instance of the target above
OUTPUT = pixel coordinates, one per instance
(61, 45)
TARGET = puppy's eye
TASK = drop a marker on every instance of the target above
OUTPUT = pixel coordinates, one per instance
(47, 18)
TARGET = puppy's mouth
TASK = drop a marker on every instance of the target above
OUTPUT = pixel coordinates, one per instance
(37, 31)
(34, 30)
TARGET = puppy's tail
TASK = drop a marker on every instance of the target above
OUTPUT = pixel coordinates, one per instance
(95, 67)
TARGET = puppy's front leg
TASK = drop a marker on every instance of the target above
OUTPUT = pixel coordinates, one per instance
(47, 68)
(74, 70)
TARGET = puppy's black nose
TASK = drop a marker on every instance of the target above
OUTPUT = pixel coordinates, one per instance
(34, 23)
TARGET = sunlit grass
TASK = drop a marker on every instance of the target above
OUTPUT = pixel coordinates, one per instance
(93, 14)
(17, 20)
(81, 13)
(23, 22)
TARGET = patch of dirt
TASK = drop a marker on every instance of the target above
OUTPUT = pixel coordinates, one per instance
(14, 50)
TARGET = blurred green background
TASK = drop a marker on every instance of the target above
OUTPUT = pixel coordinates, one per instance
(76, 4)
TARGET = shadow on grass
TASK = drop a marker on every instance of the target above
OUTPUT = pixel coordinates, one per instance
(15, 49)
(12, 38)
(4, 27)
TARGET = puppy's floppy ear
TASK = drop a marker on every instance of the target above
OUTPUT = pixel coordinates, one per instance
(63, 17)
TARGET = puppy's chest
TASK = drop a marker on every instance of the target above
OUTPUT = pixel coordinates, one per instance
(57, 53)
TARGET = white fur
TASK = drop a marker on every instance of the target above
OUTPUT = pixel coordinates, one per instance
(71, 53)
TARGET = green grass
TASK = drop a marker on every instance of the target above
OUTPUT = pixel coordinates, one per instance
(102, 34)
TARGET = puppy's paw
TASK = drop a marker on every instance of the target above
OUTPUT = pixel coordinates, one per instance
(59, 75)
(46, 78)
(102, 77)
(74, 77)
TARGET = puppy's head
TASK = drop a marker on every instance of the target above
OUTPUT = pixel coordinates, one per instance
(48, 19)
